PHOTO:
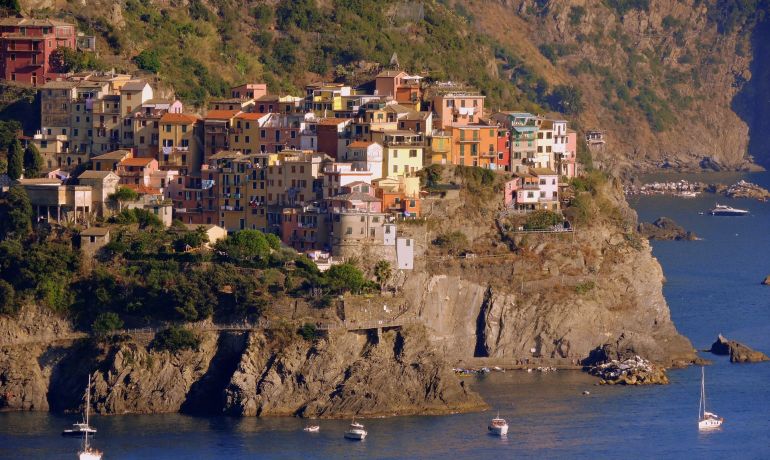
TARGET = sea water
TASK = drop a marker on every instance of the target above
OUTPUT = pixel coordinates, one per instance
(713, 286)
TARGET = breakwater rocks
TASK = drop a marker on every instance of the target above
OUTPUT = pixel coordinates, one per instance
(664, 228)
(739, 353)
(258, 373)
(686, 189)
(630, 371)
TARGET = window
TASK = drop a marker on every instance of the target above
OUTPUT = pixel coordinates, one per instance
(185, 143)
(13, 56)
(395, 168)
(141, 139)
(247, 139)
(413, 154)
(349, 231)
(167, 128)
(262, 134)
(184, 128)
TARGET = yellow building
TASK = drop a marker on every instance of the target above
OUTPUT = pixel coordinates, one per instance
(181, 146)
(402, 152)
(245, 132)
(441, 148)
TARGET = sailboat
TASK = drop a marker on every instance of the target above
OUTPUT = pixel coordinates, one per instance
(356, 431)
(706, 420)
(80, 428)
(87, 452)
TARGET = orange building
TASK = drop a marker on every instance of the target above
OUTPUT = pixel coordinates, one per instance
(474, 144)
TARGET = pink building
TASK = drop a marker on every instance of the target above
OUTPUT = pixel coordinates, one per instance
(137, 171)
(458, 108)
(568, 162)
(536, 189)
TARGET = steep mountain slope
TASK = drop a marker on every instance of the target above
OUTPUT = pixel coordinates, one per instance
(659, 76)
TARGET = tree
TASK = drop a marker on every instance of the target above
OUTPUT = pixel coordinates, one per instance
(176, 339)
(122, 195)
(454, 242)
(33, 162)
(566, 99)
(15, 214)
(106, 324)
(148, 60)
(345, 278)
(15, 160)
(7, 298)
(383, 272)
(249, 247)
(193, 239)
(542, 220)
(64, 60)
(10, 7)
(302, 14)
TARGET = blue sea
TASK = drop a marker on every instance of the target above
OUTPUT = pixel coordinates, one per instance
(713, 286)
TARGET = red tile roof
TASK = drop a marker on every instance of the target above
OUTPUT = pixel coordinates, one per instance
(221, 114)
(250, 116)
(360, 144)
(180, 118)
(136, 161)
(332, 121)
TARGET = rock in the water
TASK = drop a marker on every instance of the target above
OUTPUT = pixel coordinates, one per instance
(738, 352)
(631, 371)
(665, 229)
(766, 281)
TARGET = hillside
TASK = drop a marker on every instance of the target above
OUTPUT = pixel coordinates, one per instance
(659, 76)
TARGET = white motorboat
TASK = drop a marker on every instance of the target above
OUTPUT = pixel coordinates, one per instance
(722, 210)
(706, 420)
(312, 428)
(356, 432)
(88, 452)
(498, 426)
(81, 428)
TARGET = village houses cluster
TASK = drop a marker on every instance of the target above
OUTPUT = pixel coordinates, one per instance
(327, 171)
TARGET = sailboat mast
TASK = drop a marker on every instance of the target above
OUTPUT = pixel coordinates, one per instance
(88, 399)
(702, 405)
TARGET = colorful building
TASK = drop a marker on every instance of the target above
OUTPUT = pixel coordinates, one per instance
(26, 45)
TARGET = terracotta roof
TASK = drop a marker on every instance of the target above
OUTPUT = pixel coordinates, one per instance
(355, 196)
(332, 121)
(390, 73)
(360, 144)
(207, 227)
(32, 22)
(95, 231)
(180, 118)
(94, 174)
(114, 155)
(221, 114)
(226, 154)
(60, 85)
(250, 116)
(134, 85)
(136, 161)
(40, 181)
(269, 98)
(142, 189)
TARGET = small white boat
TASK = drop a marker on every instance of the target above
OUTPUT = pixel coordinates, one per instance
(498, 426)
(706, 420)
(312, 428)
(356, 431)
(688, 194)
(722, 210)
(88, 452)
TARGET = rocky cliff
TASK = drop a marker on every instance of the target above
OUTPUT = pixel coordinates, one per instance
(248, 374)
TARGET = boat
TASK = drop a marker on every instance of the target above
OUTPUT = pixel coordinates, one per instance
(356, 431)
(81, 428)
(312, 428)
(498, 426)
(722, 210)
(706, 420)
(88, 452)
(688, 194)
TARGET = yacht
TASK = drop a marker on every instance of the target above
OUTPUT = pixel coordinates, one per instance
(356, 431)
(706, 420)
(498, 426)
(722, 210)
(312, 428)
(81, 428)
(88, 452)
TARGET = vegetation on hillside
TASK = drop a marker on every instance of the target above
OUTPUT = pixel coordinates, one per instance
(149, 274)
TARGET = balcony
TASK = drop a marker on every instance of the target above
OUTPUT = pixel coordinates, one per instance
(230, 208)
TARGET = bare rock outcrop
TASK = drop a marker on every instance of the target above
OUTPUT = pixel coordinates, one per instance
(739, 353)
(347, 374)
(664, 228)
(22, 383)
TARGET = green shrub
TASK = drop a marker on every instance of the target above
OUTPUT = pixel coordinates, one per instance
(176, 339)
(143, 217)
(542, 220)
(7, 298)
(585, 287)
(309, 332)
(106, 324)
(453, 242)
(148, 60)
(344, 278)
(576, 14)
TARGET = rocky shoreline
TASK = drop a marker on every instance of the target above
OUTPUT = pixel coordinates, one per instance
(664, 228)
(686, 189)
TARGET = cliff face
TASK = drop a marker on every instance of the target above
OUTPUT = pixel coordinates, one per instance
(660, 81)
(345, 374)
